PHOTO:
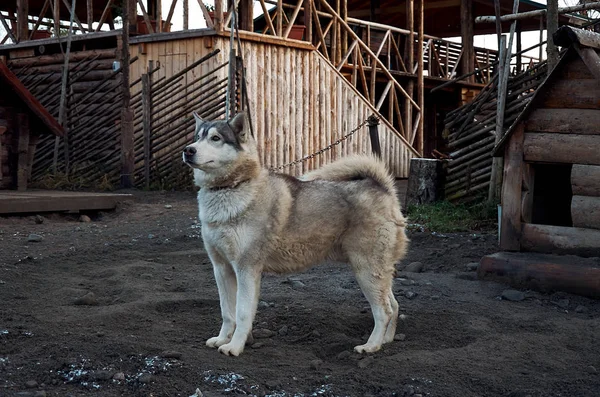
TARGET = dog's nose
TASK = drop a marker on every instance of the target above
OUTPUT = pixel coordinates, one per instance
(189, 151)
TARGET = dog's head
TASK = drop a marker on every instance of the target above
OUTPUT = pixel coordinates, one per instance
(220, 148)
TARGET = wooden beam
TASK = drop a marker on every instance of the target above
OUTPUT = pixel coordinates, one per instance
(90, 14)
(410, 60)
(104, 15)
(585, 180)
(552, 27)
(546, 273)
(537, 13)
(7, 28)
(591, 60)
(510, 229)
(562, 148)
(209, 22)
(560, 240)
(564, 121)
(573, 94)
(186, 14)
(170, 14)
(467, 37)
(56, 13)
(585, 211)
(308, 20)
(40, 18)
(22, 14)
(145, 15)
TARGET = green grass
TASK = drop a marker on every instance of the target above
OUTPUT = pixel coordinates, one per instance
(445, 217)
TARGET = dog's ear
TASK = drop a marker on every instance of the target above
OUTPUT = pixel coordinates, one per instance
(198, 119)
(239, 126)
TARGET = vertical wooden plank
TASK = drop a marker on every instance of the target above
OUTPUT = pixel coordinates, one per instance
(147, 126)
(186, 14)
(466, 30)
(307, 67)
(279, 18)
(420, 79)
(23, 147)
(218, 16)
(527, 192)
(308, 19)
(410, 61)
(90, 15)
(286, 97)
(552, 27)
(299, 109)
(511, 192)
(259, 108)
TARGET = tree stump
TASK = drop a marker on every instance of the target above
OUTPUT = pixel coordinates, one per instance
(425, 181)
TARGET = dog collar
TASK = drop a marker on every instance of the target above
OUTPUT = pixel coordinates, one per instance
(224, 187)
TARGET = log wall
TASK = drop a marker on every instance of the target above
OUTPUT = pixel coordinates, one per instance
(299, 103)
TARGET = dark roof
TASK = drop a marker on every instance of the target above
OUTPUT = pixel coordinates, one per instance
(32, 103)
(565, 36)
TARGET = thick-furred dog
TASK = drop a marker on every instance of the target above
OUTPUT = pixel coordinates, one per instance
(256, 221)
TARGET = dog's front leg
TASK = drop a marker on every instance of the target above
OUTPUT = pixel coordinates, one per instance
(227, 285)
(248, 288)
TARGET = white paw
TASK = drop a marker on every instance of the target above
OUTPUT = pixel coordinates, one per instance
(217, 341)
(367, 348)
(231, 350)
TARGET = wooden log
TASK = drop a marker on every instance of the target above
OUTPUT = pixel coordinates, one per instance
(573, 94)
(562, 148)
(511, 192)
(560, 239)
(57, 59)
(565, 121)
(585, 180)
(23, 148)
(585, 212)
(543, 272)
(425, 181)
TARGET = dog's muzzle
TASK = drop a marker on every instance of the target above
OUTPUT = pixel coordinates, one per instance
(188, 154)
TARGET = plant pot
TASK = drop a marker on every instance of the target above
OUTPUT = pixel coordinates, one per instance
(297, 32)
(142, 28)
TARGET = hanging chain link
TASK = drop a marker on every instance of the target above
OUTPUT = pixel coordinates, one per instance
(326, 148)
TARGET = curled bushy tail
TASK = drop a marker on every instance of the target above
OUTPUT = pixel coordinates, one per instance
(353, 168)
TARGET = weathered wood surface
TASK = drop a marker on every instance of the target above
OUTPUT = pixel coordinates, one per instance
(299, 104)
(425, 181)
(527, 193)
(32, 201)
(560, 240)
(511, 192)
(585, 212)
(573, 94)
(562, 148)
(585, 180)
(565, 121)
(23, 148)
(575, 70)
(543, 272)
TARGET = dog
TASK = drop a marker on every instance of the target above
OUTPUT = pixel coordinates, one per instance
(254, 221)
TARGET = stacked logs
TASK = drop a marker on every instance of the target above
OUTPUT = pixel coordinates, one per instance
(471, 131)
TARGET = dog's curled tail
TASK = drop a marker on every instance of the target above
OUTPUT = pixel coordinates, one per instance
(354, 168)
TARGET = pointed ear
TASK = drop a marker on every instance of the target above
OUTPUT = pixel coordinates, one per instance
(239, 126)
(198, 119)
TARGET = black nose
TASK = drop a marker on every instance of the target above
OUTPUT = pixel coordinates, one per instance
(189, 151)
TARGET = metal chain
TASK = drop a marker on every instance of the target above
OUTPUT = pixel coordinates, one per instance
(326, 148)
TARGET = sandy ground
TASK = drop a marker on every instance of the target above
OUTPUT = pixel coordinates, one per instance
(122, 306)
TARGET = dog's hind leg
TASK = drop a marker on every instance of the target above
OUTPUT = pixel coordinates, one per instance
(390, 332)
(248, 288)
(227, 285)
(377, 289)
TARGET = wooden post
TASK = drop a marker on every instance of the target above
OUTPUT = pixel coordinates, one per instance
(218, 22)
(22, 171)
(56, 17)
(420, 79)
(308, 19)
(22, 14)
(147, 125)
(552, 26)
(127, 141)
(280, 18)
(501, 102)
(519, 47)
(132, 16)
(510, 230)
(410, 61)
(541, 49)
(186, 15)
(90, 15)
(466, 33)
(373, 122)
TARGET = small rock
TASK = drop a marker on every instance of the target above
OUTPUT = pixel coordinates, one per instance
(171, 354)
(283, 330)
(414, 267)
(85, 219)
(365, 309)
(30, 384)
(34, 238)
(146, 275)
(257, 345)
(263, 304)
(562, 303)
(581, 309)
(315, 364)
(365, 362)
(102, 375)
(592, 370)
(39, 219)
(410, 295)
(343, 355)
(406, 282)
(263, 333)
(168, 206)
(197, 393)
(119, 376)
(435, 297)
(297, 284)
(472, 267)
(409, 390)
(513, 295)
(88, 299)
(151, 236)
(146, 378)
(399, 337)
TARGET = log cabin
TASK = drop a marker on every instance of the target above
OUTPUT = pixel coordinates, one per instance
(551, 188)
(23, 120)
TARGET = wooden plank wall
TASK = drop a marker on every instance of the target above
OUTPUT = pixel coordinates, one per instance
(298, 102)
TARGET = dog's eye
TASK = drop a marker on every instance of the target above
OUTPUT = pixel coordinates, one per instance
(215, 138)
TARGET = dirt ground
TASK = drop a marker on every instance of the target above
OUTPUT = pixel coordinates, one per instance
(122, 306)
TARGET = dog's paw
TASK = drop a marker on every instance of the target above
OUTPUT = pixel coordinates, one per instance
(231, 350)
(367, 348)
(217, 341)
